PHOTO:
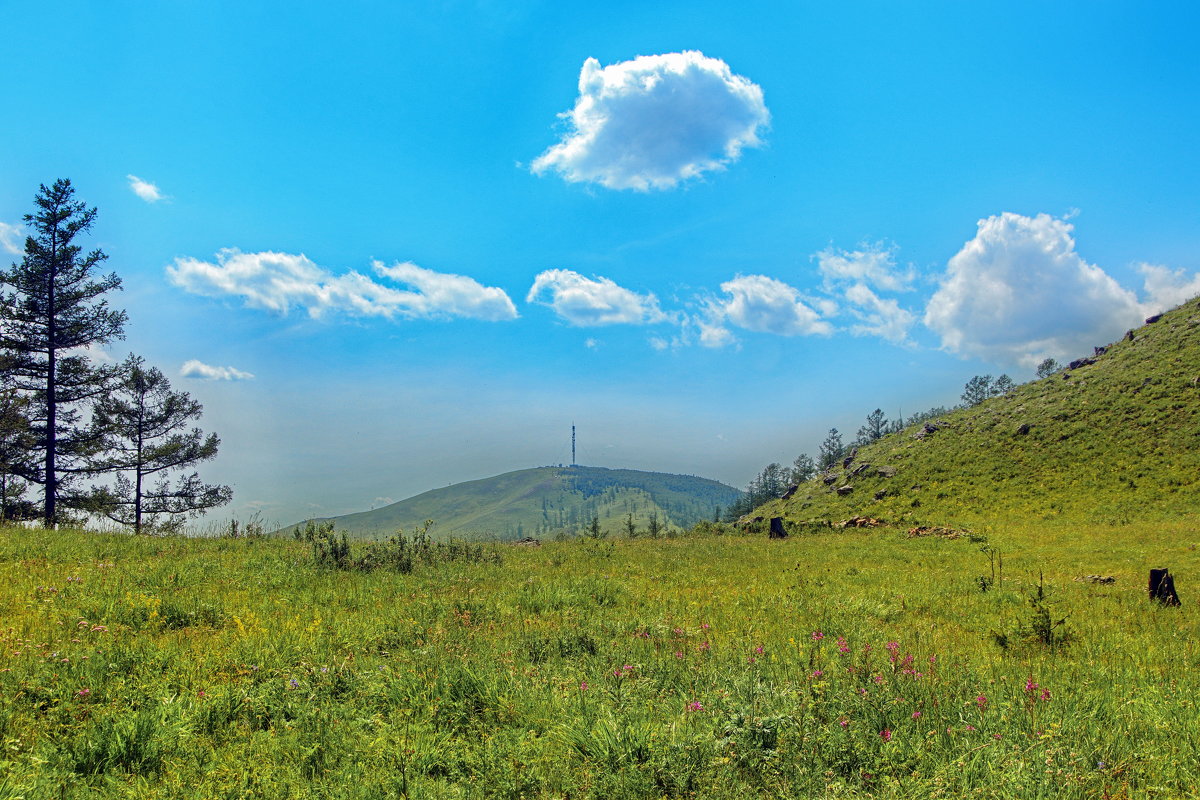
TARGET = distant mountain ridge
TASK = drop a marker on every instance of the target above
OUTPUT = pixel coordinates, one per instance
(1112, 438)
(545, 501)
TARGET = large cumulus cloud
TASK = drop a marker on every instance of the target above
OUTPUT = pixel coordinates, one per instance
(657, 120)
(1018, 292)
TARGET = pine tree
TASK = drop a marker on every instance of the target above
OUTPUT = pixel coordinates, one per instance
(830, 451)
(803, 468)
(143, 427)
(978, 389)
(1047, 368)
(16, 439)
(52, 312)
(874, 429)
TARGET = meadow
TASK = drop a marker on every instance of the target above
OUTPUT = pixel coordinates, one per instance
(836, 663)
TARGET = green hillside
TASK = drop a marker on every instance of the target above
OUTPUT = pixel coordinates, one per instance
(547, 500)
(1109, 442)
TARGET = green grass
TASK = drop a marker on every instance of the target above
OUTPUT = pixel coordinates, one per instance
(1114, 442)
(138, 667)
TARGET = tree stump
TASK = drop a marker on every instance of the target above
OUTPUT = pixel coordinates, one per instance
(1162, 587)
(777, 531)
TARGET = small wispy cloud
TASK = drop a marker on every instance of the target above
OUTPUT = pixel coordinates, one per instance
(145, 189)
(655, 121)
(280, 281)
(207, 372)
(10, 238)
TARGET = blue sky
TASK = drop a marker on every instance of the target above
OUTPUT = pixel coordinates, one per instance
(396, 246)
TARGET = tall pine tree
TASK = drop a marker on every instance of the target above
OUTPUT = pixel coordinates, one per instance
(51, 310)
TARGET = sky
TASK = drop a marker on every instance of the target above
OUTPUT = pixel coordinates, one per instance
(395, 246)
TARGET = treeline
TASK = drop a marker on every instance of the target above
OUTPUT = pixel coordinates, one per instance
(775, 479)
(99, 439)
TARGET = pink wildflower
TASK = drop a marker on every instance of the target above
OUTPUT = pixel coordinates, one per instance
(1045, 695)
(84, 692)
(583, 687)
(816, 674)
(678, 654)
(695, 705)
(982, 702)
(817, 636)
(845, 723)
(886, 734)
(916, 715)
(759, 649)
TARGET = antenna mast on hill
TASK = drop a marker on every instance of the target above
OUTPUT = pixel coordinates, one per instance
(572, 444)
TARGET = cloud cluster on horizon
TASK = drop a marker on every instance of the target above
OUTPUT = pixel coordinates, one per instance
(1016, 293)
(194, 368)
(655, 121)
(278, 282)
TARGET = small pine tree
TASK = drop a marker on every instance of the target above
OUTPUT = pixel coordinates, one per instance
(978, 389)
(654, 527)
(803, 468)
(1002, 386)
(142, 425)
(830, 451)
(874, 429)
(1047, 368)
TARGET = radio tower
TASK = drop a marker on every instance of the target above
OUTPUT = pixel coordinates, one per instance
(572, 444)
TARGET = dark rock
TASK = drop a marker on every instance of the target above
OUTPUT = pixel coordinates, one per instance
(749, 519)
(848, 460)
(1153, 319)
(1129, 336)
(777, 531)
(860, 468)
(528, 541)
(1096, 579)
(845, 490)
(1081, 362)
(882, 493)
(791, 490)
(885, 471)
(829, 479)
(1023, 429)
(1099, 351)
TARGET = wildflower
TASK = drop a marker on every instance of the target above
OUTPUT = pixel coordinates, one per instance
(704, 626)
(705, 645)
(969, 728)
(982, 702)
(293, 683)
(83, 693)
(759, 649)
(886, 734)
(817, 636)
(933, 659)
(677, 631)
(878, 679)
(997, 736)
(862, 692)
(583, 687)
(695, 705)
(678, 654)
(627, 667)
(816, 674)
(845, 723)
(643, 634)
(1045, 695)
(617, 673)
(892, 647)
(1030, 686)
(751, 660)
(916, 715)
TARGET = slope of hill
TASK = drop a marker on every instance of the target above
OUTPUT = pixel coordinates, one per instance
(1113, 440)
(546, 500)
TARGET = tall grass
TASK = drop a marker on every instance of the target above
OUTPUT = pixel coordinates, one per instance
(836, 664)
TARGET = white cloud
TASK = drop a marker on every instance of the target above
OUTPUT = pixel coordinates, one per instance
(758, 303)
(590, 343)
(10, 238)
(586, 302)
(280, 281)
(207, 372)
(878, 316)
(1018, 293)
(1166, 288)
(654, 121)
(873, 265)
(145, 189)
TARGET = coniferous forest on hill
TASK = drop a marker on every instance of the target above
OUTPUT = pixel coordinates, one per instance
(960, 608)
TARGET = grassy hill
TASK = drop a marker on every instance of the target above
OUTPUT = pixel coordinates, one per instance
(1110, 442)
(547, 500)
